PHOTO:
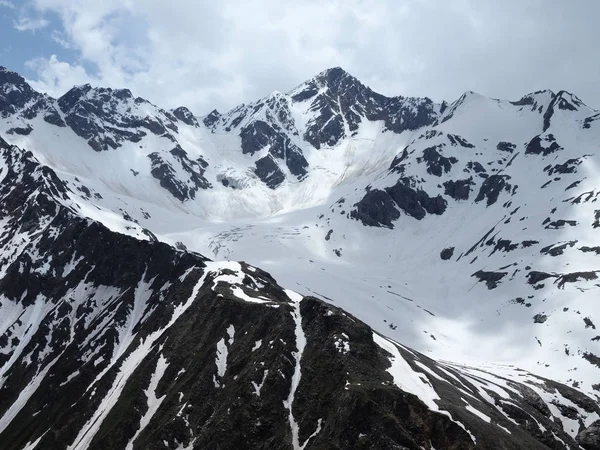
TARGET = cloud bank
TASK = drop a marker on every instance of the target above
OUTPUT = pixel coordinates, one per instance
(209, 55)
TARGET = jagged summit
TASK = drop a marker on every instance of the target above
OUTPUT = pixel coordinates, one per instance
(335, 76)
(335, 82)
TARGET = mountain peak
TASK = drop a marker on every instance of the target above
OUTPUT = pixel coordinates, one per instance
(9, 77)
(568, 101)
(15, 92)
(334, 76)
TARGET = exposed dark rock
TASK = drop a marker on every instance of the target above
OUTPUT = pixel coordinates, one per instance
(560, 223)
(436, 163)
(447, 253)
(397, 165)
(458, 189)
(295, 161)
(186, 116)
(22, 131)
(569, 166)
(575, 276)
(566, 410)
(415, 202)
(587, 249)
(492, 187)
(540, 318)
(457, 140)
(588, 323)
(491, 278)
(376, 209)
(592, 359)
(212, 118)
(587, 123)
(535, 277)
(269, 172)
(258, 135)
(544, 147)
(505, 245)
(589, 438)
(345, 100)
(165, 173)
(476, 167)
(15, 93)
(506, 146)
(521, 301)
(96, 115)
(557, 249)
(327, 131)
(562, 100)
(305, 94)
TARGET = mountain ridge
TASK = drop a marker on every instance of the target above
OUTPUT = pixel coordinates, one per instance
(475, 226)
(112, 327)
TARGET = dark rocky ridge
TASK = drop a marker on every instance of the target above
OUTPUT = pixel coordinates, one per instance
(170, 178)
(381, 207)
(93, 114)
(347, 100)
(335, 100)
(258, 135)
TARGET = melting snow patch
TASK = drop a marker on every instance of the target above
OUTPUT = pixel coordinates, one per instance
(231, 334)
(258, 387)
(300, 344)
(153, 401)
(478, 413)
(412, 382)
(89, 430)
(222, 351)
(405, 377)
(342, 343)
(505, 429)
(239, 293)
(221, 360)
(69, 378)
(33, 445)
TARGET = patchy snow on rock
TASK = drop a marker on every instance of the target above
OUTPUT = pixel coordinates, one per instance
(154, 402)
(342, 343)
(478, 413)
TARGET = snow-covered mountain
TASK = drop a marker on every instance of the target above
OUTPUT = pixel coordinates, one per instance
(467, 231)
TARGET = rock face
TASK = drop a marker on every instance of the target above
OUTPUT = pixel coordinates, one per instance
(115, 341)
(334, 106)
(590, 437)
(346, 102)
(96, 114)
(178, 174)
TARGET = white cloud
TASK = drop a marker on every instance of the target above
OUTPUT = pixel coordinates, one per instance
(60, 39)
(219, 54)
(56, 77)
(30, 24)
(7, 4)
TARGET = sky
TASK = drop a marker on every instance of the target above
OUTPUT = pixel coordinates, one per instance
(218, 54)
